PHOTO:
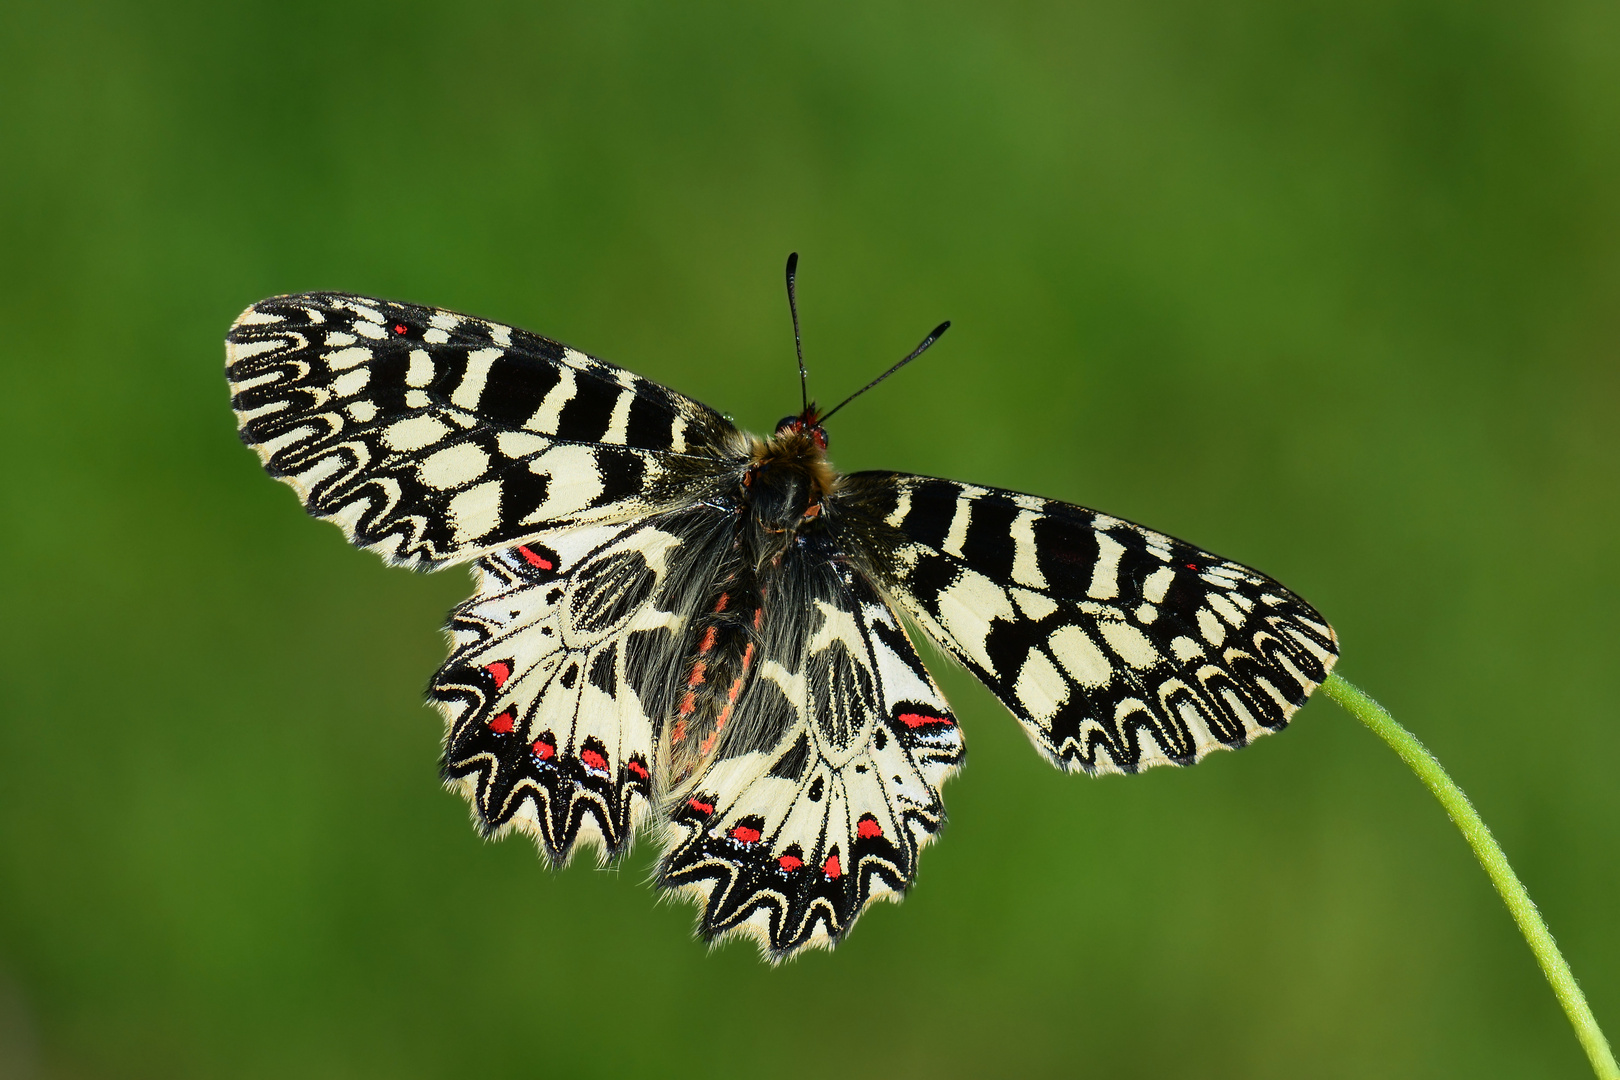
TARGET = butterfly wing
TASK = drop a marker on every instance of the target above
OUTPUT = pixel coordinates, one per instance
(558, 671)
(822, 804)
(432, 437)
(1116, 646)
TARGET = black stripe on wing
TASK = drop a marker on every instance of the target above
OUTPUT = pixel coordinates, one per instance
(431, 436)
(1118, 647)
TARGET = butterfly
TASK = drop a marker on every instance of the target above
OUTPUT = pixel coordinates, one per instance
(688, 630)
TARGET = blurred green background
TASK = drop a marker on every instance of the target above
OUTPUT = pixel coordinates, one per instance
(1328, 287)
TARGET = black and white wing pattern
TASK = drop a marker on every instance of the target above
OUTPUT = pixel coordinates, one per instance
(820, 804)
(680, 627)
(1117, 647)
(556, 672)
(432, 437)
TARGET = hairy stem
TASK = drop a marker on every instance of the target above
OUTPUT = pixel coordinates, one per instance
(1490, 856)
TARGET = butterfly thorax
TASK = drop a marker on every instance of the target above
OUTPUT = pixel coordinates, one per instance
(787, 478)
(780, 500)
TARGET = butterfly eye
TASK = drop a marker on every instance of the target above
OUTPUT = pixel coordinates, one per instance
(790, 422)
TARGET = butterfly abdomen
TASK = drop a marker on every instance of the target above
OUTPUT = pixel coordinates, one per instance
(725, 639)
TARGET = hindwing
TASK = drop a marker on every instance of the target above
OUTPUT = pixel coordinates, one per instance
(434, 437)
(556, 663)
(822, 802)
(1117, 647)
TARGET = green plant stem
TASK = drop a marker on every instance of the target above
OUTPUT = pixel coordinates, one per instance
(1491, 857)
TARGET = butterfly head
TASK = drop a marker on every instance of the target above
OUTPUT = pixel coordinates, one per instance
(807, 425)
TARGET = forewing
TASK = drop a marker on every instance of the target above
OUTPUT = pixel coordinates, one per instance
(555, 664)
(823, 808)
(433, 437)
(1117, 647)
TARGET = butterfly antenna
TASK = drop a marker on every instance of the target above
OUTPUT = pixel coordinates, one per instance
(933, 336)
(798, 346)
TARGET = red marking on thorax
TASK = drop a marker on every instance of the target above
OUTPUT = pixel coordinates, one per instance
(917, 720)
(720, 605)
(697, 674)
(688, 703)
(500, 671)
(708, 639)
(868, 828)
(539, 562)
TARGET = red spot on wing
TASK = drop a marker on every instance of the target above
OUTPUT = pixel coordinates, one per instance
(501, 724)
(1192, 566)
(500, 671)
(916, 720)
(543, 750)
(868, 828)
(399, 328)
(744, 835)
(638, 768)
(789, 862)
(593, 760)
(832, 869)
(700, 806)
(539, 562)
